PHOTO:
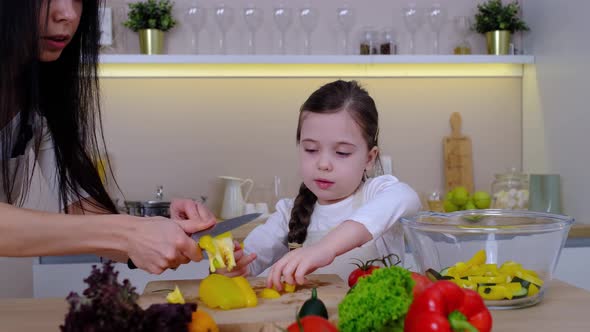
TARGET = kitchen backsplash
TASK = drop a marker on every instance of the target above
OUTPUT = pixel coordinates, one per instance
(183, 133)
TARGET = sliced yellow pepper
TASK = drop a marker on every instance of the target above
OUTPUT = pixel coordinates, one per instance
(494, 292)
(465, 283)
(533, 290)
(478, 259)
(289, 288)
(247, 291)
(529, 278)
(175, 296)
(269, 293)
(220, 250)
(219, 291)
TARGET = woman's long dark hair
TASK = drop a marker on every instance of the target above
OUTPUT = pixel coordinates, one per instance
(65, 92)
(333, 97)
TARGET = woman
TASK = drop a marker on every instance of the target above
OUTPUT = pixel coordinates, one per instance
(49, 105)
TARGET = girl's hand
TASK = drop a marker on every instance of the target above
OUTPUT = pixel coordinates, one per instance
(157, 244)
(293, 267)
(242, 261)
(191, 216)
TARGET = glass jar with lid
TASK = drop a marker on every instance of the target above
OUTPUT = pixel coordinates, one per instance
(387, 44)
(369, 41)
(510, 191)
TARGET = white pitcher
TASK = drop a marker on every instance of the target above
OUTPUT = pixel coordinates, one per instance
(233, 201)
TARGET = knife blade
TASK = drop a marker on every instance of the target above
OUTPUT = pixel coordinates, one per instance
(226, 225)
(219, 228)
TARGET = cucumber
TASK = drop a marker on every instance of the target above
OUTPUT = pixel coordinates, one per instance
(523, 292)
(444, 271)
(433, 275)
(525, 284)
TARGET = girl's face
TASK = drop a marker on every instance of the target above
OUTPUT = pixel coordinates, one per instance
(333, 155)
(57, 26)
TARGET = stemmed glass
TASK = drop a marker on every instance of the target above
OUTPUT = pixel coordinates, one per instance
(346, 18)
(462, 26)
(309, 18)
(436, 19)
(224, 17)
(253, 17)
(413, 21)
(196, 17)
(282, 17)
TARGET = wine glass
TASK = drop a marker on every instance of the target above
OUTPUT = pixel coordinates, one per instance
(253, 16)
(224, 17)
(413, 20)
(282, 17)
(436, 19)
(346, 18)
(309, 18)
(196, 18)
(462, 25)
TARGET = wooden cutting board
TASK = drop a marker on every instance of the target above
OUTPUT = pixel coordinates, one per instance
(267, 314)
(458, 157)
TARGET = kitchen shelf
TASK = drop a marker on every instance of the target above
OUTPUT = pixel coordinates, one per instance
(132, 65)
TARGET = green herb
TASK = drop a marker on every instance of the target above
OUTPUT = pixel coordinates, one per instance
(150, 14)
(493, 15)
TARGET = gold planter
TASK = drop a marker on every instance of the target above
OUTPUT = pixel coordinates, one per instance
(151, 41)
(498, 42)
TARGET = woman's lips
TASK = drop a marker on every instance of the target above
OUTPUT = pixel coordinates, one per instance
(323, 184)
(56, 43)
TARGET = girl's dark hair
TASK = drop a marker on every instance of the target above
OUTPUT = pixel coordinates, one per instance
(65, 92)
(333, 97)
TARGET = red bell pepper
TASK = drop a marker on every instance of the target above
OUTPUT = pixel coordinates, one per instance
(445, 307)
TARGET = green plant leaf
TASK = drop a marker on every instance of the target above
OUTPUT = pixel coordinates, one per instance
(150, 14)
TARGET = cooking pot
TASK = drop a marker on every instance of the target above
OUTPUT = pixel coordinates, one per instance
(152, 208)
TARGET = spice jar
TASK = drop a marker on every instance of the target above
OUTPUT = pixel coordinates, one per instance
(387, 42)
(510, 191)
(369, 41)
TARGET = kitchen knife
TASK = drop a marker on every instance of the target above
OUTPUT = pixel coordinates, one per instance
(219, 228)
(226, 226)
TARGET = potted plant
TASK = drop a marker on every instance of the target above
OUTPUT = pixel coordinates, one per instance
(498, 22)
(150, 19)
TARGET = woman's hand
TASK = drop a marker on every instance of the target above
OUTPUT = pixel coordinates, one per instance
(293, 267)
(242, 261)
(157, 244)
(191, 216)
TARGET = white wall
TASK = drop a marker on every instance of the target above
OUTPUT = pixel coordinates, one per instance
(325, 39)
(557, 119)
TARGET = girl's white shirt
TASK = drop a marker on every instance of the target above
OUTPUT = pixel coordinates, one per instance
(384, 200)
(45, 158)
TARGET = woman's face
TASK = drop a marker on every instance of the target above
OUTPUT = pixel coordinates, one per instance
(57, 26)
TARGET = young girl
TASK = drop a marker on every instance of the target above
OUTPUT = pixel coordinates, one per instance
(339, 213)
(49, 108)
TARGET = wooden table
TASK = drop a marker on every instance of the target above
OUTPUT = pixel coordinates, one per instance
(565, 308)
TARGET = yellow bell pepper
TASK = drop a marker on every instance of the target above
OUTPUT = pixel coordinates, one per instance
(219, 291)
(494, 292)
(478, 258)
(220, 250)
(175, 296)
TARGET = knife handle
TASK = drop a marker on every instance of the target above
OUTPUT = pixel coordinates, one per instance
(130, 264)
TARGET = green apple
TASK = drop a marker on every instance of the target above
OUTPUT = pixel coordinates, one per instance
(449, 206)
(482, 199)
(460, 196)
(469, 206)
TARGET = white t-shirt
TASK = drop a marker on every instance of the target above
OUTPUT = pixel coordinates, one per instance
(384, 200)
(45, 157)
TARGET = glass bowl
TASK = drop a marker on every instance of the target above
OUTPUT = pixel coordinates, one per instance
(490, 251)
